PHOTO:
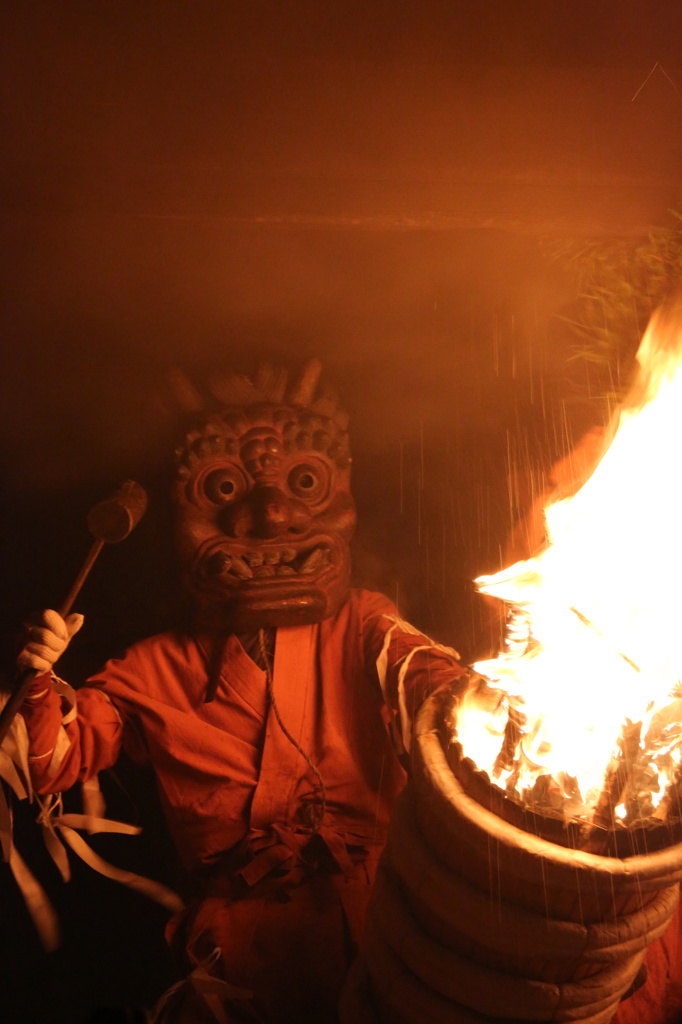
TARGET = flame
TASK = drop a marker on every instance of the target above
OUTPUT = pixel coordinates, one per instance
(592, 644)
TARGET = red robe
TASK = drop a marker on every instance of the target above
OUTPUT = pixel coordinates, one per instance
(237, 793)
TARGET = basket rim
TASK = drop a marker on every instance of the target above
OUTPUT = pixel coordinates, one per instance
(433, 761)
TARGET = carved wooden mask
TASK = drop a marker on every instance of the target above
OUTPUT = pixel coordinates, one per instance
(264, 509)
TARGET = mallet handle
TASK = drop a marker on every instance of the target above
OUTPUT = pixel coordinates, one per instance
(67, 604)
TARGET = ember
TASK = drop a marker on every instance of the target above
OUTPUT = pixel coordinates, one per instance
(579, 716)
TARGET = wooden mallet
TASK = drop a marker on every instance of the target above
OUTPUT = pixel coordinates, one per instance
(109, 522)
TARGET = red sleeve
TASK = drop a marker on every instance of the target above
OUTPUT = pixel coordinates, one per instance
(410, 665)
(72, 736)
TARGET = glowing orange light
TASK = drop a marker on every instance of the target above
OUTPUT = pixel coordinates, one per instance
(596, 617)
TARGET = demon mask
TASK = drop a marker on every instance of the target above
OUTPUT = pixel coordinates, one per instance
(264, 509)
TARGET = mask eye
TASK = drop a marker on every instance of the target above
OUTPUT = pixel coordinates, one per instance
(224, 485)
(309, 481)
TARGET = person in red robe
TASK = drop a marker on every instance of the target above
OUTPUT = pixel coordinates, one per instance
(277, 724)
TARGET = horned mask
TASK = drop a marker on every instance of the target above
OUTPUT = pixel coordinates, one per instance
(264, 509)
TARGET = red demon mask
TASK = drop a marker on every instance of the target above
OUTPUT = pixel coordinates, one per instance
(264, 509)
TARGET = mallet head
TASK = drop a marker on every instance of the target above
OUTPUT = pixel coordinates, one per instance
(114, 518)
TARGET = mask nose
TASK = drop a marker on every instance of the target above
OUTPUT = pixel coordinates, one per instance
(266, 513)
(271, 512)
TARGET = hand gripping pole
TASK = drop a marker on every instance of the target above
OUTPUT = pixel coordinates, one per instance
(109, 522)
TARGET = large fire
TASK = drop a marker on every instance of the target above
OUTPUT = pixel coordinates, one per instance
(592, 662)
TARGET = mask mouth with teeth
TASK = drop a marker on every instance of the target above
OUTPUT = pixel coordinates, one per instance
(264, 512)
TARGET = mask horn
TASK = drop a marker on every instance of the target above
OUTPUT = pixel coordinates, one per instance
(182, 393)
(301, 391)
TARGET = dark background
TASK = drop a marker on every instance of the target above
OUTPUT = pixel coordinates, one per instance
(382, 185)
